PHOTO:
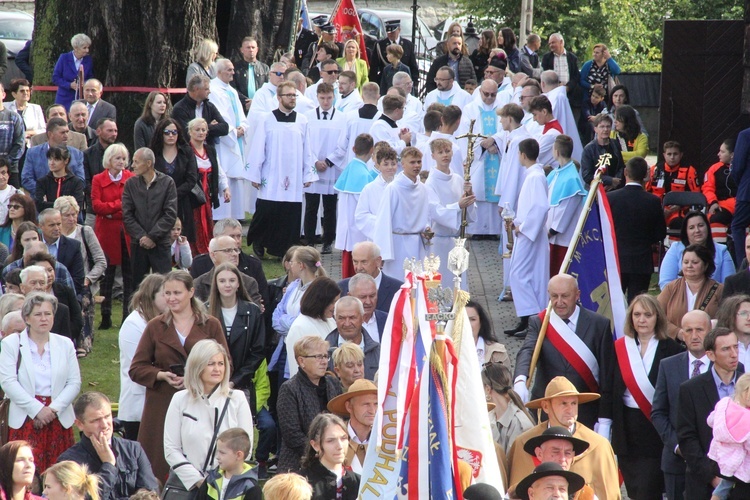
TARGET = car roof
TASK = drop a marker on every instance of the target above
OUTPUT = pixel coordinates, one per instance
(395, 14)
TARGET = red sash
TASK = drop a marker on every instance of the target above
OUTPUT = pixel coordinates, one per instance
(635, 378)
(571, 356)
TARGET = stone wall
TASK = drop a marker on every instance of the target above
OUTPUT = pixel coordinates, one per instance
(431, 11)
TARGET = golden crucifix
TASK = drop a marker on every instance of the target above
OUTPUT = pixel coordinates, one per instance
(471, 137)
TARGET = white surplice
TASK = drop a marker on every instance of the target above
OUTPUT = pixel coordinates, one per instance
(324, 136)
(529, 266)
(455, 96)
(504, 93)
(312, 92)
(531, 125)
(413, 118)
(357, 122)
(350, 102)
(457, 162)
(401, 218)
(546, 141)
(558, 97)
(445, 191)
(385, 129)
(368, 205)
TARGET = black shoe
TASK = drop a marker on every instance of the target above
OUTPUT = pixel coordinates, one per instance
(262, 470)
(520, 335)
(258, 250)
(106, 323)
(326, 249)
(522, 325)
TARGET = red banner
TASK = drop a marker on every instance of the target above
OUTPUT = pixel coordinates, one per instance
(346, 21)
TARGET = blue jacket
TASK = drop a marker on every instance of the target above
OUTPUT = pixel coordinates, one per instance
(64, 73)
(614, 70)
(740, 164)
(36, 166)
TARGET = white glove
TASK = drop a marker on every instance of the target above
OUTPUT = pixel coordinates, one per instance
(603, 428)
(521, 390)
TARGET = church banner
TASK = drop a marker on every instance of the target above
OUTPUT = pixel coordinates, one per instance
(348, 27)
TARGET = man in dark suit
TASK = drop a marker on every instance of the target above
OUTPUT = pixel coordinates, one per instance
(697, 399)
(366, 259)
(639, 223)
(564, 63)
(363, 287)
(378, 61)
(741, 175)
(593, 333)
(66, 250)
(196, 99)
(98, 108)
(673, 371)
(738, 283)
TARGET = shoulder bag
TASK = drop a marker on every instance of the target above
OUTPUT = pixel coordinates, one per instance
(5, 407)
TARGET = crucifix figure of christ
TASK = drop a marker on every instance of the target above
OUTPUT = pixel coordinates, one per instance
(471, 137)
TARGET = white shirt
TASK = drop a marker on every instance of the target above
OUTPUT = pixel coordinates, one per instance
(573, 320)
(42, 370)
(355, 465)
(229, 314)
(371, 326)
(744, 354)
(647, 360)
(480, 351)
(690, 298)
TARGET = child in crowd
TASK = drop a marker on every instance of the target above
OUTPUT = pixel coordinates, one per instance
(730, 446)
(182, 256)
(393, 53)
(470, 86)
(595, 104)
(233, 479)
(386, 162)
(6, 190)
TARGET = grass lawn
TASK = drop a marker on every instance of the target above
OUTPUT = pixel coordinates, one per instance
(100, 370)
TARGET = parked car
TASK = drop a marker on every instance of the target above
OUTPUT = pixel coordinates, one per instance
(16, 28)
(373, 24)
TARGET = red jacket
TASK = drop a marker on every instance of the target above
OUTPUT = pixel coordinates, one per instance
(106, 198)
(719, 187)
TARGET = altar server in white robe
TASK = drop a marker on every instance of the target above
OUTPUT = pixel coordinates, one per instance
(486, 165)
(280, 167)
(350, 98)
(449, 124)
(413, 111)
(355, 177)
(448, 91)
(358, 121)
(566, 198)
(326, 125)
(385, 127)
(329, 73)
(403, 216)
(231, 147)
(512, 173)
(386, 163)
(449, 195)
(529, 266)
(541, 109)
(558, 97)
(530, 89)
(264, 101)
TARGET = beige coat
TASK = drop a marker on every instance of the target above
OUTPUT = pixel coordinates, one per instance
(673, 299)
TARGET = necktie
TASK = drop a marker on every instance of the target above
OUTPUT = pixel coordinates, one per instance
(89, 108)
(696, 368)
(567, 321)
(325, 115)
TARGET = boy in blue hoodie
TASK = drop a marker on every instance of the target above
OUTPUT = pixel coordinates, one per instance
(233, 479)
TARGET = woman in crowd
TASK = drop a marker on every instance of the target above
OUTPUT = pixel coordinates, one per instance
(509, 419)
(627, 131)
(17, 471)
(323, 463)
(455, 29)
(316, 315)
(27, 232)
(10, 302)
(159, 360)
(207, 394)
(59, 181)
(66, 72)
(32, 114)
(735, 315)
(507, 40)
(348, 364)
(634, 438)
(695, 231)
(94, 263)
(304, 267)
(302, 398)
(598, 70)
(39, 373)
(693, 290)
(212, 181)
(489, 350)
(619, 97)
(106, 197)
(147, 303)
(174, 158)
(21, 208)
(352, 61)
(65, 295)
(155, 109)
(287, 486)
(481, 55)
(70, 481)
(205, 55)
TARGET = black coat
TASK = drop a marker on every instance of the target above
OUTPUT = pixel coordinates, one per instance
(323, 482)
(69, 255)
(66, 296)
(639, 223)
(736, 284)
(185, 177)
(184, 111)
(149, 211)
(241, 71)
(387, 289)
(61, 323)
(465, 71)
(591, 153)
(378, 60)
(47, 190)
(574, 74)
(245, 339)
(92, 165)
(249, 265)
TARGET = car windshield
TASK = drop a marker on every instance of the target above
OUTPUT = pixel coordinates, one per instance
(406, 27)
(16, 29)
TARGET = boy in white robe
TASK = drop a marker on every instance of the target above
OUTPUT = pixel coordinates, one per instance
(529, 263)
(402, 222)
(449, 195)
(358, 121)
(541, 110)
(449, 123)
(385, 127)
(386, 163)
(349, 186)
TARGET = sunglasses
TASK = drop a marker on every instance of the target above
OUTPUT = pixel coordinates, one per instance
(332, 72)
(171, 132)
(14, 207)
(277, 73)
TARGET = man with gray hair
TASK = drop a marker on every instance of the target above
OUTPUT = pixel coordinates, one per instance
(225, 249)
(97, 107)
(79, 121)
(66, 250)
(265, 97)
(300, 81)
(348, 313)
(363, 287)
(530, 63)
(413, 111)
(149, 209)
(562, 62)
(366, 259)
(34, 279)
(12, 323)
(196, 105)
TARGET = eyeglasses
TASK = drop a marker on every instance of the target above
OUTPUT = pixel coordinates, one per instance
(228, 250)
(443, 79)
(743, 314)
(171, 132)
(489, 94)
(288, 95)
(319, 357)
(14, 207)
(332, 71)
(277, 73)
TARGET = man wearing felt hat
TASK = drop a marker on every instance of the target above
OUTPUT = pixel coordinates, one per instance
(393, 35)
(327, 34)
(549, 481)
(360, 404)
(596, 464)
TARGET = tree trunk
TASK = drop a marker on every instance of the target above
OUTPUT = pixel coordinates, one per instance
(269, 21)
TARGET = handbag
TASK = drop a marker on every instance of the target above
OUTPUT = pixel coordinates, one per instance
(197, 196)
(5, 407)
(173, 488)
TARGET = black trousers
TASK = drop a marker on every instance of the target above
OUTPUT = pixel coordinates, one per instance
(155, 260)
(109, 281)
(312, 202)
(634, 284)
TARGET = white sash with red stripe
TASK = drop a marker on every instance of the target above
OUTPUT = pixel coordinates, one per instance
(574, 350)
(634, 373)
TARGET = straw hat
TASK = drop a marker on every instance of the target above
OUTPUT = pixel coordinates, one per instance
(560, 387)
(360, 387)
(575, 482)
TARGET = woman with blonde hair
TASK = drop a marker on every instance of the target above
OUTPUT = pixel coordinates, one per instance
(70, 481)
(159, 360)
(205, 55)
(352, 61)
(286, 486)
(190, 443)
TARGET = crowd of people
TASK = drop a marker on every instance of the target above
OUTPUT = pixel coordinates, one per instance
(211, 351)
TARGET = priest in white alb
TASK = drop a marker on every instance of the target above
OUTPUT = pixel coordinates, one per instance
(349, 99)
(558, 96)
(448, 90)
